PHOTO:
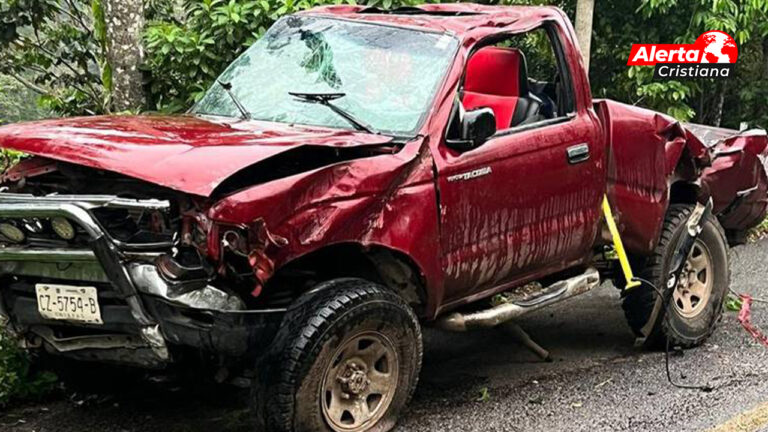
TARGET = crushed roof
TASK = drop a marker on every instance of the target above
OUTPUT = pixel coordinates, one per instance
(457, 18)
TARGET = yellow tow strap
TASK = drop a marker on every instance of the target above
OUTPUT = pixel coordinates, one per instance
(619, 246)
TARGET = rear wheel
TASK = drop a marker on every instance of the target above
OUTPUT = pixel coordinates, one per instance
(346, 359)
(696, 302)
(694, 288)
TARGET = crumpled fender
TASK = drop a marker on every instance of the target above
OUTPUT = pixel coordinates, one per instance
(647, 153)
(737, 180)
(387, 200)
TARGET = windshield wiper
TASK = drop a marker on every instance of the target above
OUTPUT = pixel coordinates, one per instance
(227, 86)
(325, 99)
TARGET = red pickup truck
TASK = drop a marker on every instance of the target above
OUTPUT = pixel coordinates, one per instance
(355, 173)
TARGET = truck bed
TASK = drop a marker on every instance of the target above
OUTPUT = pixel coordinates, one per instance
(653, 159)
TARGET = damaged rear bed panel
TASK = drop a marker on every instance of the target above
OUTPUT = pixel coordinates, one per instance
(647, 153)
(650, 152)
(737, 180)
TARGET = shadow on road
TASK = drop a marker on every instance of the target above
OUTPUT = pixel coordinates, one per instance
(578, 333)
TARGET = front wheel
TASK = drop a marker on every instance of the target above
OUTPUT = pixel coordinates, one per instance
(346, 359)
(697, 300)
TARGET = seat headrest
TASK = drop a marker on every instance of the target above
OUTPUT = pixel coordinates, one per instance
(497, 71)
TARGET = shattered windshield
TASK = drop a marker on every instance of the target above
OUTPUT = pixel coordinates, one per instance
(388, 75)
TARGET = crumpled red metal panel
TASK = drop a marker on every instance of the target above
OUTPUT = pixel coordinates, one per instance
(27, 168)
(259, 240)
(645, 149)
(737, 180)
(730, 169)
(173, 151)
(469, 17)
(384, 200)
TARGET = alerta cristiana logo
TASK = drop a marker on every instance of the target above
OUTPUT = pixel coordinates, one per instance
(713, 55)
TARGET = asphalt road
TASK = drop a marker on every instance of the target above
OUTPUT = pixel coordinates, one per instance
(598, 381)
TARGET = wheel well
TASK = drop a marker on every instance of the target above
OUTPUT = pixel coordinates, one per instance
(683, 192)
(379, 264)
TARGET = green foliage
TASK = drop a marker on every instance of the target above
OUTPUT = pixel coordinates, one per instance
(100, 36)
(665, 96)
(53, 43)
(18, 103)
(733, 303)
(484, 395)
(741, 98)
(159, 9)
(183, 59)
(759, 232)
(616, 28)
(709, 101)
(9, 158)
(17, 380)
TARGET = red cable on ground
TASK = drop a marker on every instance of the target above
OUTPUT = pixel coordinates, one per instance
(745, 315)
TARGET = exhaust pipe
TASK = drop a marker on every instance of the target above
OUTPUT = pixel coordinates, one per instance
(504, 312)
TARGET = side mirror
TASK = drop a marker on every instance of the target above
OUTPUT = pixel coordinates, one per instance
(477, 126)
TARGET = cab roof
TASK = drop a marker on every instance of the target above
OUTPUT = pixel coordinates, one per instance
(456, 18)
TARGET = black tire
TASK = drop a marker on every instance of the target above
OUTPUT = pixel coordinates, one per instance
(640, 302)
(290, 377)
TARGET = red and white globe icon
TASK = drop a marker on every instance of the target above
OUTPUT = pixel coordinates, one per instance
(717, 47)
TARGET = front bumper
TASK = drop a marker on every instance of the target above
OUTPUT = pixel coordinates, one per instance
(145, 316)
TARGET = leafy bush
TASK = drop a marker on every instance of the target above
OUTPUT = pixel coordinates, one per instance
(17, 380)
(183, 59)
(56, 48)
(18, 103)
(716, 102)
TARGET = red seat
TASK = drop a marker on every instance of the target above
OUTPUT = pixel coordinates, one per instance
(493, 80)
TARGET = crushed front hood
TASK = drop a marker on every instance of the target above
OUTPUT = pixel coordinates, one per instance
(187, 153)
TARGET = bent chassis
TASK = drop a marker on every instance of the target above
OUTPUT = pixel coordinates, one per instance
(145, 314)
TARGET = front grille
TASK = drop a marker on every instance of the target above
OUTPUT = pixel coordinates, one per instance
(106, 233)
(130, 226)
(136, 226)
(91, 256)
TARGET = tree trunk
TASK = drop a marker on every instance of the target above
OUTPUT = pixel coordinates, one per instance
(584, 11)
(124, 22)
(718, 117)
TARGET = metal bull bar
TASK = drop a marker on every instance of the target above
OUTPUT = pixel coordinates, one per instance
(104, 249)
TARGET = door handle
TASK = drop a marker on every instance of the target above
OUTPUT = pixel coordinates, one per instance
(578, 153)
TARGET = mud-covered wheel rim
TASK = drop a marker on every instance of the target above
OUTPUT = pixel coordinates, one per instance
(360, 382)
(694, 288)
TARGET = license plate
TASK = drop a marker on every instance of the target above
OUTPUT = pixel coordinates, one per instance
(70, 303)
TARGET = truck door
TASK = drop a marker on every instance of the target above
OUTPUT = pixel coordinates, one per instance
(525, 203)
